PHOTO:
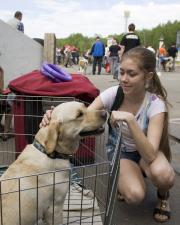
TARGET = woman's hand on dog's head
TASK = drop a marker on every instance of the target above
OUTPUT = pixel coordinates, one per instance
(46, 118)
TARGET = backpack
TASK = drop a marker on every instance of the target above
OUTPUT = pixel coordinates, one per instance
(117, 102)
(113, 138)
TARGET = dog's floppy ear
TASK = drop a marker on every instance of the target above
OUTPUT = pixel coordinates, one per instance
(52, 136)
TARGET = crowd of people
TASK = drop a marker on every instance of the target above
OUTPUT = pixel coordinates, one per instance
(112, 54)
(67, 55)
(108, 56)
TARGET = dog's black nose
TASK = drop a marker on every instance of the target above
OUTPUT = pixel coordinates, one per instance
(104, 114)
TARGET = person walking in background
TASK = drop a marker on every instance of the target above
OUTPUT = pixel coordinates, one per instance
(162, 51)
(68, 56)
(58, 56)
(172, 52)
(131, 39)
(106, 56)
(75, 55)
(106, 63)
(98, 52)
(63, 54)
(16, 21)
(114, 50)
(162, 56)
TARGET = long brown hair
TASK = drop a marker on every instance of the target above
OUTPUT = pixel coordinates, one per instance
(146, 60)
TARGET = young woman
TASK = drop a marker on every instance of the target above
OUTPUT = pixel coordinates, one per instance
(145, 146)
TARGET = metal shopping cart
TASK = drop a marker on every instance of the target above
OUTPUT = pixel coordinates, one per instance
(92, 187)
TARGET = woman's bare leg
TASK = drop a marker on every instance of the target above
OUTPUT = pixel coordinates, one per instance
(162, 176)
(131, 183)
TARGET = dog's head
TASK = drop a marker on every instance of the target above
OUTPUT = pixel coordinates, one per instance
(83, 62)
(169, 64)
(70, 122)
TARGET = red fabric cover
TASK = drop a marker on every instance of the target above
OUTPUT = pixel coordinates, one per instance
(35, 83)
(19, 124)
(6, 91)
(86, 149)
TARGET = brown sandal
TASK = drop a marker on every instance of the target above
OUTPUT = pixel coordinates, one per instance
(161, 211)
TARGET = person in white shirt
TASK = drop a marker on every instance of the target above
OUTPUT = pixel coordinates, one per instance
(145, 144)
(16, 21)
(145, 150)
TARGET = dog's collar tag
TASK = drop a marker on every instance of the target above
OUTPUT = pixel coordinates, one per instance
(54, 155)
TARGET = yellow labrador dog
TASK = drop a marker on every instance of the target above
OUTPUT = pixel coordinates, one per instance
(34, 187)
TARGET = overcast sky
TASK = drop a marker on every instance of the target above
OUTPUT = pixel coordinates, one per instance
(89, 17)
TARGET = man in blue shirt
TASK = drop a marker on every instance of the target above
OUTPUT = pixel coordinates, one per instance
(97, 51)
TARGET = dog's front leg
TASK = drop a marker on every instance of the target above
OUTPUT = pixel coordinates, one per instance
(58, 217)
(55, 215)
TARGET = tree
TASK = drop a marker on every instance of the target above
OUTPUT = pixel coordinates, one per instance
(148, 37)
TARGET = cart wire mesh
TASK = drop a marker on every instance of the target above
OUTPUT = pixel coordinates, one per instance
(91, 179)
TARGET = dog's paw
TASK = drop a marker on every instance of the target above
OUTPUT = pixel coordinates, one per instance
(86, 192)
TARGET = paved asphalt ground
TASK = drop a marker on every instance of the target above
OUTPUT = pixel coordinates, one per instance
(125, 214)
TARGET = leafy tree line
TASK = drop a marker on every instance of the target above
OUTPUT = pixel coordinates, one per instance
(151, 37)
(166, 31)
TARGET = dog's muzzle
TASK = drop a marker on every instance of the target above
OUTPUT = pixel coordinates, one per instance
(100, 130)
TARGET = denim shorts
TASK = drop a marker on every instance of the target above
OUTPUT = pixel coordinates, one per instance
(125, 154)
(134, 156)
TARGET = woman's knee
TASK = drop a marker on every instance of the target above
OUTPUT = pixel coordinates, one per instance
(134, 195)
(162, 175)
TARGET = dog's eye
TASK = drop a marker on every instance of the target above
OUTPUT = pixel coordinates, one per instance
(80, 114)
